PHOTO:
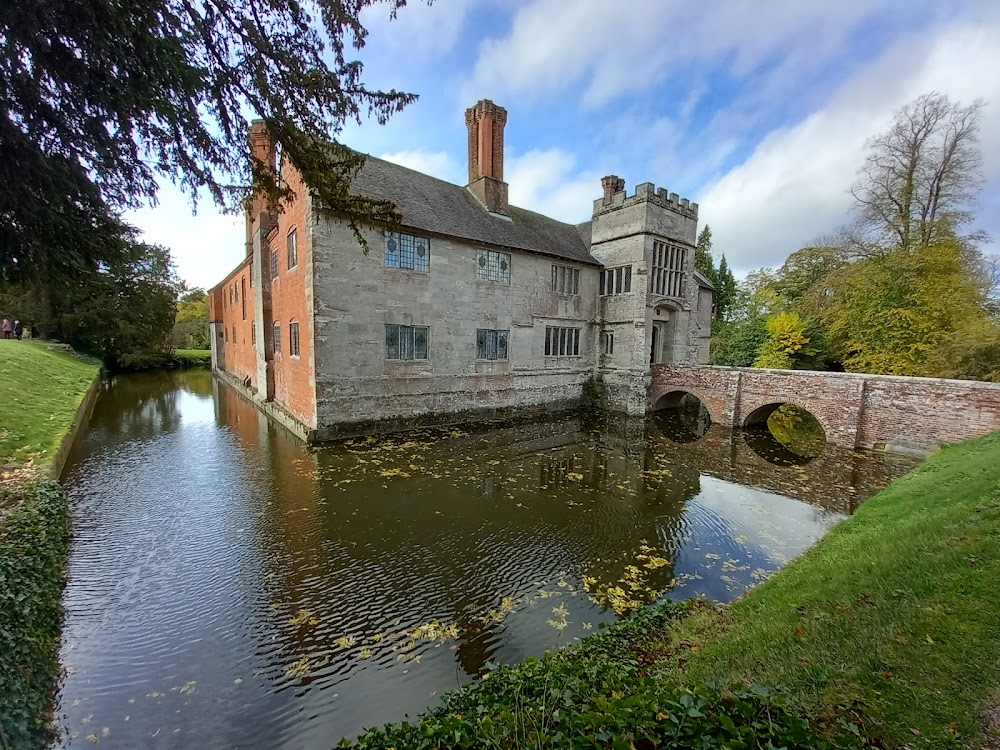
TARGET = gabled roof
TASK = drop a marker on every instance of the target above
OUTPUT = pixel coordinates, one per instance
(434, 205)
(703, 280)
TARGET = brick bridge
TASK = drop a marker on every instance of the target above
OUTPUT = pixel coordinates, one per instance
(856, 411)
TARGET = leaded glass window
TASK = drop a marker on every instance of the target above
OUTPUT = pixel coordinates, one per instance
(562, 342)
(406, 342)
(491, 344)
(565, 280)
(615, 280)
(493, 266)
(407, 251)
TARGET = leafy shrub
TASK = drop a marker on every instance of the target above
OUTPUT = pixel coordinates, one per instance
(186, 358)
(601, 695)
(34, 544)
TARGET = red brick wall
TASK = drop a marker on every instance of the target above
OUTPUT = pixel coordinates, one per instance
(291, 302)
(855, 410)
(235, 319)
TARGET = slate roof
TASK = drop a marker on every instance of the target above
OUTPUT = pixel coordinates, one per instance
(434, 205)
(703, 281)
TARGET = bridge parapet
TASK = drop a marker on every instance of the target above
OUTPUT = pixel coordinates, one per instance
(902, 414)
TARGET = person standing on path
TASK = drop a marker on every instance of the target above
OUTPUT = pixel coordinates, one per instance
(18, 329)
(8, 328)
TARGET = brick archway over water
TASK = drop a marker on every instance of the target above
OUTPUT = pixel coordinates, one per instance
(855, 410)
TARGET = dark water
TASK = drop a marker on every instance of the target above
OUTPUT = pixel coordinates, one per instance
(230, 587)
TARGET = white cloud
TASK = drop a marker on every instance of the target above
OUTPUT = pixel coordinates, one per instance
(438, 164)
(420, 30)
(794, 186)
(548, 181)
(618, 48)
(205, 247)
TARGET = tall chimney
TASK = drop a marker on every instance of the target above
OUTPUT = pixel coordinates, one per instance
(262, 149)
(486, 123)
(612, 184)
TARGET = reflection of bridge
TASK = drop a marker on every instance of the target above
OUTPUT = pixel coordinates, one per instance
(900, 413)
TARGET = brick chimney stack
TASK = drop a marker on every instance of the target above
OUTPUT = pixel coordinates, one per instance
(263, 150)
(612, 184)
(486, 123)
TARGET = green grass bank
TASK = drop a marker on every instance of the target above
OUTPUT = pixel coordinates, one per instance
(41, 389)
(885, 634)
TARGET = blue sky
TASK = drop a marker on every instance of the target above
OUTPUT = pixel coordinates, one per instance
(758, 111)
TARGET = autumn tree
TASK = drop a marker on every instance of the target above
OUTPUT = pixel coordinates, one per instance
(190, 329)
(920, 176)
(890, 313)
(788, 344)
(101, 99)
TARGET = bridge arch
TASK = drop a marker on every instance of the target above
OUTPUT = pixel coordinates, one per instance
(682, 416)
(672, 399)
(784, 430)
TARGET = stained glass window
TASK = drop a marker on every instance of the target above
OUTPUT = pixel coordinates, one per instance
(493, 266)
(407, 251)
(406, 342)
(491, 344)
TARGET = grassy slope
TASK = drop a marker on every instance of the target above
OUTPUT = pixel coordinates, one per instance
(896, 613)
(40, 390)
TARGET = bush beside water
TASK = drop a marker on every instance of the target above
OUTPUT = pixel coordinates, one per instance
(600, 694)
(34, 546)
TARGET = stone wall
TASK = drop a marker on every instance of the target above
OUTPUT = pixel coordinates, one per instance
(356, 296)
(856, 410)
(623, 233)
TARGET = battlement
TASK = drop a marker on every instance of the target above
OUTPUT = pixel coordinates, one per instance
(615, 197)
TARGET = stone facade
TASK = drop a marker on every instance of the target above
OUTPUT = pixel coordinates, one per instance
(900, 414)
(344, 378)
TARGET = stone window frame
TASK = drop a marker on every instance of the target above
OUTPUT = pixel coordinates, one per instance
(292, 248)
(562, 341)
(407, 252)
(667, 275)
(615, 280)
(407, 343)
(495, 341)
(493, 266)
(276, 339)
(274, 263)
(565, 280)
(293, 339)
(607, 342)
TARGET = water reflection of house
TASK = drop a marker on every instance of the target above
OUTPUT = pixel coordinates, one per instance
(472, 306)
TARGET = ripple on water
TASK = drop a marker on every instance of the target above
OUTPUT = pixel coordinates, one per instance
(230, 587)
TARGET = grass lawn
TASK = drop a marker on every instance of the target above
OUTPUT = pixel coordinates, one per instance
(40, 390)
(894, 615)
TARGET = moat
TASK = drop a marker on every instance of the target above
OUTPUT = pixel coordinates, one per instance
(232, 587)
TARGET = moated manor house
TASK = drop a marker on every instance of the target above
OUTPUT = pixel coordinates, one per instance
(471, 307)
